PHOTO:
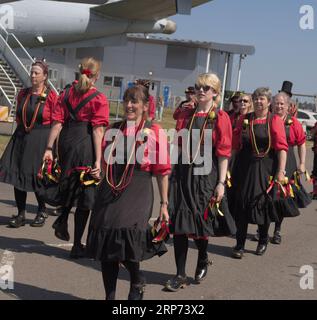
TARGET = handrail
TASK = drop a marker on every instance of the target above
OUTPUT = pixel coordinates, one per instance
(13, 85)
(6, 97)
(8, 34)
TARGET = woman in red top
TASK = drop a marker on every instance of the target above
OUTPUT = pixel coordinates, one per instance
(22, 158)
(80, 116)
(119, 231)
(259, 165)
(197, 205)
(295, 137)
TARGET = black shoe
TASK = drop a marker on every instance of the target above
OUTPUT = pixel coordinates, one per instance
(17, 221)
(77, 252)
(201, 270)
(176, 283)
(61, 229)
(56, 212)
(137, 291)
(261, 248)
(237, 252)
(314, 196)
(277, 238)
(39, 220)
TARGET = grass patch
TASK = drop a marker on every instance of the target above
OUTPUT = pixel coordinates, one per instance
(3, 143)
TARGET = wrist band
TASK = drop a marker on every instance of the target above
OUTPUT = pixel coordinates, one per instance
(164, 202)
(220, 182)
(49, 148)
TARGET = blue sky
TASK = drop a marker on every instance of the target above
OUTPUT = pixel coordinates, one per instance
(283, 51)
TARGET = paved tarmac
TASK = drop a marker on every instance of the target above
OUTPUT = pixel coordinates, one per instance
(43, 270)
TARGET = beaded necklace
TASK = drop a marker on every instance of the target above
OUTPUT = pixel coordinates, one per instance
(253, 139)
(35, 113)
(127, 174)
(191, 160)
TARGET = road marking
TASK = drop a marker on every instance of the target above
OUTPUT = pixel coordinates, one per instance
(58, 245)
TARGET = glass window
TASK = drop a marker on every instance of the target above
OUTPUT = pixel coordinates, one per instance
(107, 81)
(117, 82)
(315, 116)
(302, 115)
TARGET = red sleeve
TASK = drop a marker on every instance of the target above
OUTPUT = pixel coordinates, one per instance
(59, 113)
(159, 151)
(152, 107)
(100, 111)
(177, 112)
(236, 134)
(222, 135)
(297, 133)
(278, 134)
(49, 107)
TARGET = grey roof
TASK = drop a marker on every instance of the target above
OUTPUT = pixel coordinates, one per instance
(224, 47)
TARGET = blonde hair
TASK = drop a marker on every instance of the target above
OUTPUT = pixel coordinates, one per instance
(89, 69)
(212, 80)
(251, 108)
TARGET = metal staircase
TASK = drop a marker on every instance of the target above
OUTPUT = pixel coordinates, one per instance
(13, 73)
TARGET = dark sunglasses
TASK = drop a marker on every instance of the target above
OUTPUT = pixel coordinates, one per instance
(205, 88)
(244, 100)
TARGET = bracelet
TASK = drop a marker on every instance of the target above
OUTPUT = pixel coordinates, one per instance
(283, 171)
(164, 202)
(49, 148)
(220, 182)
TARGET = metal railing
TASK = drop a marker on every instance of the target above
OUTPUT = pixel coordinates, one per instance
(7, 36)
(13, 85)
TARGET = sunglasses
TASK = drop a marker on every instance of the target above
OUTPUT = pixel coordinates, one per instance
(205, 88)
(244, 100)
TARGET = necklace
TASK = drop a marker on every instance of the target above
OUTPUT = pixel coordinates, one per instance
(191, 160)
(253, 139)
(35, 113)
(127, 174)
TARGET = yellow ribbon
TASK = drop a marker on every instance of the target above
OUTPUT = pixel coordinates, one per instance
(87, 182)
(217, 207)
(229, 184)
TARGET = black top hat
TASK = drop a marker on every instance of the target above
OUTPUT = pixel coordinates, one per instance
(236, 94)
(190, 90)
(287, 88)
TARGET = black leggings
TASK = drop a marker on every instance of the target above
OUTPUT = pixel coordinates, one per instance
(181, 249)
(81, 218)
(20, 199)
(110, 270)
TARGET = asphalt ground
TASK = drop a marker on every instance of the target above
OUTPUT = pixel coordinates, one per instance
(43, 270)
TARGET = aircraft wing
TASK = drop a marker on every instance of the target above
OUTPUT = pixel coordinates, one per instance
(146, 9)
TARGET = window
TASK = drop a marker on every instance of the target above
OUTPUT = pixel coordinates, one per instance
(107, 81)
(315, 116)
(117, 82)
(302, 115)
(52, 74)
(181, 57)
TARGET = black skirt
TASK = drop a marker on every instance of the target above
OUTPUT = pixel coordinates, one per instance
(189, 199)
(22, 158)
(301, 197)
(119, 228)
(76, 149)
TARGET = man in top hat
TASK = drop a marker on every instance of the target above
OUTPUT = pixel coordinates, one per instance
(287, 88)
(185, 106)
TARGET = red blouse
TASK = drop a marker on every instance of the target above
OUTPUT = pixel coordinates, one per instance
(297, 135)
(221, 135)
(95, 111)
(155, 157)
(182, 112)
(48, 108)
(152, 107)
(277, 131)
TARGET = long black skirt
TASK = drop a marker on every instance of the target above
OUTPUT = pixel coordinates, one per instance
(301, 197)
(189, 199)
(22, 158)
(119, 228)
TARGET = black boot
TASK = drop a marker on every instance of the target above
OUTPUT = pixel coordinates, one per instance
(78, 251)
(61, 229)
(176, 283)
(17, 221)
(277, 238)
(201, 269)
(136, 291)
(39, 220)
